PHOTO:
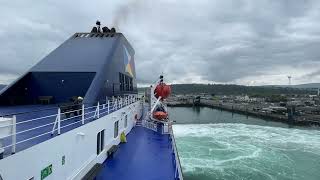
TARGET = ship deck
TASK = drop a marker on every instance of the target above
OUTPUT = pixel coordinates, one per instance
(147, 155)
(34, 124)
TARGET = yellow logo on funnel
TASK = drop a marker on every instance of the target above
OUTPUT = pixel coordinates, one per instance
(128, 61)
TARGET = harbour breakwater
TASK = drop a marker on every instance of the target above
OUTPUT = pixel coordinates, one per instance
(247, 110)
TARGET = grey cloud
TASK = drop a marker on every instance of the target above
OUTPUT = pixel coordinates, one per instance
(198, 41)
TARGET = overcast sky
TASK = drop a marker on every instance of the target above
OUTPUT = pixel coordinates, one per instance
(249, 42)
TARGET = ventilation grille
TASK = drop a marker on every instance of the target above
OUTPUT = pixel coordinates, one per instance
(93, 35)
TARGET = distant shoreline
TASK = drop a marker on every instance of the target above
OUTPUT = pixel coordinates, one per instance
(233, 109)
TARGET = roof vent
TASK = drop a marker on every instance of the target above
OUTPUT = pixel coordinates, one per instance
(113, 30)
(94, 30)
(105, 29)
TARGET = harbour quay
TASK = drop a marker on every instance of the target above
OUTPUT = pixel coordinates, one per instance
(301, 110)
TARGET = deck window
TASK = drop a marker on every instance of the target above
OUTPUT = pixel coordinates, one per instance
(116, 129)
(125, 82)
(125, 121)
(121, 81)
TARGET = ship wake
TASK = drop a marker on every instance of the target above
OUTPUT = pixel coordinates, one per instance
(241, 151)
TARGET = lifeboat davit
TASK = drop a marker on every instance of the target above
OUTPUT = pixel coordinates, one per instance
(162, 90)
(160, 115)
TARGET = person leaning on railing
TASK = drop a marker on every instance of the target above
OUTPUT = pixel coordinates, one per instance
(77, 103)
(73, 107)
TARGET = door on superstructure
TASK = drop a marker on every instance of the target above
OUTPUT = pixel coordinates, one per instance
(100, 141)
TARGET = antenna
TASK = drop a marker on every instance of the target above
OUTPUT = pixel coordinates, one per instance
(289, 78)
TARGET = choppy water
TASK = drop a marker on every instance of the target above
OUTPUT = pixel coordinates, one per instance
(239, 148)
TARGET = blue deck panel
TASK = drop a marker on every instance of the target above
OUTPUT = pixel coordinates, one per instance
(147, 155)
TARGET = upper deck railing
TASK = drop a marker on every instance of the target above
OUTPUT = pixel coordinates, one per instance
(20, 131)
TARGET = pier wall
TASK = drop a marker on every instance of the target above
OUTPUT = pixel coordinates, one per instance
(246, 110)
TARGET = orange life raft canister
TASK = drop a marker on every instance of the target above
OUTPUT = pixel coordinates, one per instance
(162, 90)
(160, 115)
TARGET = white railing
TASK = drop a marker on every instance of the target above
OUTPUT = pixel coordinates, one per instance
(149, 125)
(58, 123)
(178, 171)
(167, 129)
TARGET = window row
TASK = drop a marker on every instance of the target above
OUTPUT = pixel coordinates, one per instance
(126, 83)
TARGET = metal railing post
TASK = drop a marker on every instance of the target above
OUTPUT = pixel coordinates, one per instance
(82, 118)
(108, 106)
(59, 120)
(14, 134)
(54, 125)
(115, 106)
(98, 110)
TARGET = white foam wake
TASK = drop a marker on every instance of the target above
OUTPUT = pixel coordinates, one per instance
(240, 151)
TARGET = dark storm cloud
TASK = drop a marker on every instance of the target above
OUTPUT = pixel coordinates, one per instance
(230, 41)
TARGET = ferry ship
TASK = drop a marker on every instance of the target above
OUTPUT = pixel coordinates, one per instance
(77, 114)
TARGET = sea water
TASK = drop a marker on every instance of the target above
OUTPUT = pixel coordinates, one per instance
(215, 144)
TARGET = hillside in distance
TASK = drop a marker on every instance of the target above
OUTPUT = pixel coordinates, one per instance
(232, 89)
(301, 86)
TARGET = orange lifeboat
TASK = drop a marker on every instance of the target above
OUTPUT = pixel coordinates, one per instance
(160, 115)
(162, 90)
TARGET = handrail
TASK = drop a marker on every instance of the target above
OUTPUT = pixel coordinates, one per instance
(35, 119)
(61, 105)
(34, 128)
(152, 126)
(73, 117)
(149, 125)
(34, 137)
(176, 153)
(98, 110)
(25, 121)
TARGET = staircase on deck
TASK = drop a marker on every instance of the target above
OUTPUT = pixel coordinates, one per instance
(139, 122)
